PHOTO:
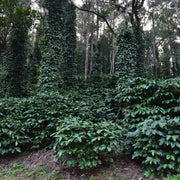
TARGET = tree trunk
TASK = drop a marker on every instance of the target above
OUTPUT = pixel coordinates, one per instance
(87, 47)
(174, 63)
(97, 23)
(177, 13)
(92, 43)
(154, 48)
(172, 54)
(113, 52)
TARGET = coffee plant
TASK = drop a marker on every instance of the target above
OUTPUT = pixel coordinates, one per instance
(157, 141)
(32, 120)
(151, 110)
(84, 142)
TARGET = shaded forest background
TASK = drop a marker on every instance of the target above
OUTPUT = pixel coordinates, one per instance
(85, 41)
(92, 79)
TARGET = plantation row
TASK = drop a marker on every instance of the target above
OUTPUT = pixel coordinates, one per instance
(142, 118)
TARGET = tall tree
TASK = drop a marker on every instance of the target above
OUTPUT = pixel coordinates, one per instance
(126, 55)
(52, 45)
(22, 21)
(35, 57)
(68, 45)
(155, 61)
(164, 31)
(87, 48)
(137, 26)
(97, 65)
(131, 10)
(6, 12)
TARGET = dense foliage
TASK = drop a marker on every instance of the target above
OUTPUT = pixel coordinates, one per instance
(45, 104)
(151, 110)
(157, 142)
(142, 98)
(147, 124)
(140, 60)
(84, 142)
(51, 57)
(68, 46)
(126, 55)
(96, 73)
(36, 118)
(16, 59)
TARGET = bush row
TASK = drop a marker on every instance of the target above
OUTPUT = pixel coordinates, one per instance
(30, 122)
(151, 111)
(84, 142)
(79, 124)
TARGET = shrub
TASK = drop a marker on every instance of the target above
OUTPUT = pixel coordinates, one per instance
(83, 142)
(40, 114)
(12, 130)
(142, 98)
(36, 117)
(12, 136)
(175, 177)
(29, 121)
(157, 143)
(151, 111)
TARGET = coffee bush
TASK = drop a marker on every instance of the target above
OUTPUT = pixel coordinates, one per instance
(157, 144)
(151, 110)
(82, 143)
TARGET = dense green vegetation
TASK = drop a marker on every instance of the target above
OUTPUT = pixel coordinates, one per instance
(84, 142)
(152, 122)
(142, 119)
(46, 103)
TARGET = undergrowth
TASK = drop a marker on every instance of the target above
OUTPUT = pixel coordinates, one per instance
(141, 116)
(151, 111)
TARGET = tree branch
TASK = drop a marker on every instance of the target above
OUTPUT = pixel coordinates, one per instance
(96, 13)
(141, 4)
(135, 7)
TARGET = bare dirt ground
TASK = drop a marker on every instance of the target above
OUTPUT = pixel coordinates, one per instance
(40, 165)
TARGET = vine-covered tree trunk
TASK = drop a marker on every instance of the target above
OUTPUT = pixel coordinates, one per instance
(52, 45)
(17, 55)
(69, 45)
(136, 24)
(126, 63)
(97, 65)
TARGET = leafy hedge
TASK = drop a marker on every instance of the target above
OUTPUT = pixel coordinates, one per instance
(157, 141)
(27, 121)
(175, 177)
(84, 142)
(32, 120)
(140, 99)
(12, 135)
(151, 111)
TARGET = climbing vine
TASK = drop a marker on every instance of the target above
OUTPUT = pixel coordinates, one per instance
(69, 45)
(126, 55)
(16, 58)
(49, 78)
(59, 45)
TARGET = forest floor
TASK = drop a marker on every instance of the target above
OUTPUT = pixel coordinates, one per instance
(41, 166)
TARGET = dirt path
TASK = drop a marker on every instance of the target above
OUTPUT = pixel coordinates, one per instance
(40, 165)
